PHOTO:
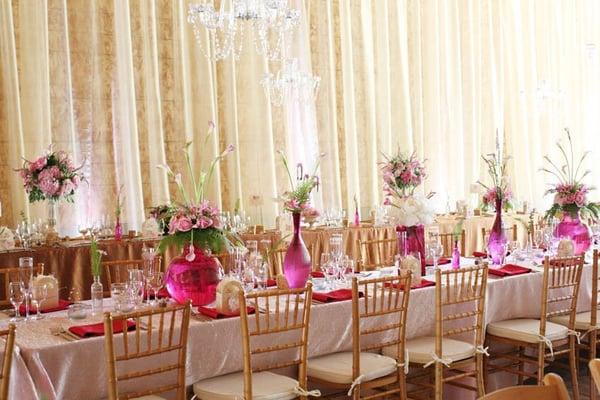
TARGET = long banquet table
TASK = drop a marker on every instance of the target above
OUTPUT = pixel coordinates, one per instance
(63, 369)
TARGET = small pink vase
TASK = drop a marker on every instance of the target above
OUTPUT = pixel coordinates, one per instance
(297, 264)
(415, 242)
(356, 218)
(195, 280)
(455, 256)
(118, 230)
(571, 227)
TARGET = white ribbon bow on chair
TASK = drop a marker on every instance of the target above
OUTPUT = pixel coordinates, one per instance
(406, 363)
(577, 335)
(307, 393)
(436, 359)
(355, 383)
(482, 350)
(548, 343)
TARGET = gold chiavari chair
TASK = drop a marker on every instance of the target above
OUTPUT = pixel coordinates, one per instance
(118, 271)
(560, 290)
(554, 389)
(594, 365)
(447, 241)
(586, 323)
(377, 253)
(459, 307)
(511, 233)
(277, 331)
(159, 332)
(9, 345)
(8, 275)
(378, 324)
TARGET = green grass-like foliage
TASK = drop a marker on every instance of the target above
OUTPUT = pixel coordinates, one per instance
(216, 240)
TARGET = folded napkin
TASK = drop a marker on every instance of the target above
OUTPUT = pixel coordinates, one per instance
(214, 314)
(317, 274)
(424, 283)
(270, 283)
(480, 254)
(509, 270)
(162, 294)
(91, 330)
(334, 295)
(62, 305)
(441, 261)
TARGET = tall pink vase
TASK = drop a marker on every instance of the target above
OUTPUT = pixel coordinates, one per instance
(195, 280)
(297, 264)
(497, 241)
(415, 242)
(118, 230)
(571, 227)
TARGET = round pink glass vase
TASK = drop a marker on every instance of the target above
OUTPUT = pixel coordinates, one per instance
(296, 263)
(497, 240)
(571, 227)
(194, 280)
(414, 242)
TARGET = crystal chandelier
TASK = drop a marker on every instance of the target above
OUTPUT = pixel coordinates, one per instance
(290, 84)
(271, 22)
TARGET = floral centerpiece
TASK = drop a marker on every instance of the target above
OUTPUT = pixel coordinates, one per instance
(412, 211)
(195, 226)
(499, 196)
(51, 177)
(570, 198)
(296, 263)
(310, 215)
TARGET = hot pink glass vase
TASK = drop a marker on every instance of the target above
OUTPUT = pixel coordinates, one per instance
(415, 242)
(195, 280)
(497, 240)
(571, 227)
(118, 230)
(297, 264)
(455, 256)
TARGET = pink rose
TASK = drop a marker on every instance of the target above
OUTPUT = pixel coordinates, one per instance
(49, 187)
(179, 223)
(38, 164)
(387, 201)
(204, 222)
(580, 199)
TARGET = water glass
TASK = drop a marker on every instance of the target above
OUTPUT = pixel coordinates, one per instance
(118, 292)
(335, 247)
(39, 294)
(16, 297)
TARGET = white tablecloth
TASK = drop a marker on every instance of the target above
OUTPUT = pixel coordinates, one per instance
(64, 369)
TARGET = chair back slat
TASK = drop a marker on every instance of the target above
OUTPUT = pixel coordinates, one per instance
(144, 342)
(560, 289)
(9, 345)
(284, 327)
(464, 289)
(377, 253)
(11, 274)
(595, 288)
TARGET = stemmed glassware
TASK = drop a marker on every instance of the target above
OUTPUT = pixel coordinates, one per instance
(435, 251)
(16, 296)
(136, 286)
(26, 278)
(39, 294)
(155, 282)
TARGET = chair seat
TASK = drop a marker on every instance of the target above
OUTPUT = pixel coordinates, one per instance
(526, 330)
(420, 349)
(582, 321)
(337, 367)
(265, 386)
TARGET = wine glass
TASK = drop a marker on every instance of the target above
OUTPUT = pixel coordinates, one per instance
(348, 267)
(156, 282)
(435, 251)
(39, 294)
(16, 297)
(261, 272)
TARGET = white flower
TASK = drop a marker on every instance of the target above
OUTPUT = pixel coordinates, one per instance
(413, 210)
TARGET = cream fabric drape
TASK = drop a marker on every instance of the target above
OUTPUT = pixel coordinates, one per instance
(123, 85)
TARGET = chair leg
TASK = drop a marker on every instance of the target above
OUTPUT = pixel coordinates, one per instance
(439, 378)
(521, 364)
(541, 363)
(485, 366)
(593, 342)
(573, 367)
(480, 370)
(402, 385)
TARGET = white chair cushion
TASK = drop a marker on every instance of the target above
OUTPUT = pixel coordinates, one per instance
(420, 349)
(265, 386)
(582, 320)
(526, 330)
(337, 367)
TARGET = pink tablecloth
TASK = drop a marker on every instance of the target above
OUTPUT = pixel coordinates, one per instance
(75, 370)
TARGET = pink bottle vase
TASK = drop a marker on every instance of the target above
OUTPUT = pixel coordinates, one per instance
(297, 264)
(356, 218)
(571, 227)
(118, 230)
(415, 242)
(455, 256)
(497, 241)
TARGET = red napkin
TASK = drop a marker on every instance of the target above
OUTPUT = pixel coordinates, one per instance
(317, 274)
(62, 305)
(214, 314)
(441, 261)
(162, 294)
(424, 283)
(91, 330)
(271, 282)
(509, 270)
(479, 254)
(334, 295)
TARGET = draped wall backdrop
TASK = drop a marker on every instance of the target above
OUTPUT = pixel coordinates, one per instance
(123, 85)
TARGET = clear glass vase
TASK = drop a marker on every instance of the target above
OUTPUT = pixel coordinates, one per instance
(97, 296)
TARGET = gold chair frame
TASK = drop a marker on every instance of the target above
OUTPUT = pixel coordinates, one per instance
(9, 346)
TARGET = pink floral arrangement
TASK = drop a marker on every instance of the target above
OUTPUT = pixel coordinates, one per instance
(499, 189)
(298, 199)
(489, 198)
(51, 177)
(570, 193)
(195, 216)
(311, 212)
(402, 175)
